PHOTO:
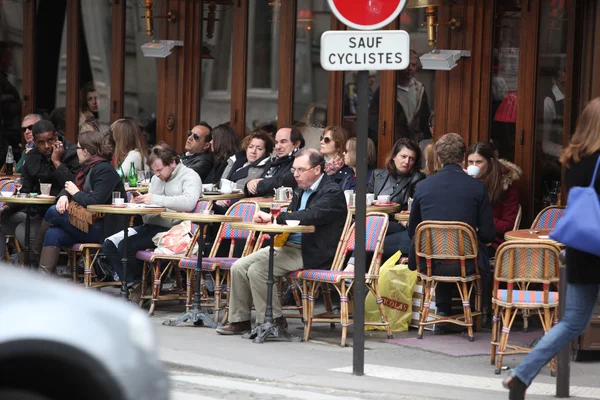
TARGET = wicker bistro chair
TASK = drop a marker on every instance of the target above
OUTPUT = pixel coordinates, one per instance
(90, 252)
(221, 266)
(448, 240)
(548, 217)
(313, 279)
(9, 186)
(153, 265)
(518, 264)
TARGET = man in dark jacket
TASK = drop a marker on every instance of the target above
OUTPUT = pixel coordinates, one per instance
(197, 155)
(53, 161)
(288, 140)
(452, 195)
(318, 201)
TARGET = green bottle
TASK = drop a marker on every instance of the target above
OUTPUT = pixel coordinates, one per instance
(132, 175)
(121, 173)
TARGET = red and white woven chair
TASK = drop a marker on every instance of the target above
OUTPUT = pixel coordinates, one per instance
(313, 279)
(548, 217)
(153, 265)
(220, 266)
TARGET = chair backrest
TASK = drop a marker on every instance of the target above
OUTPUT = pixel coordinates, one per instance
(245, 209)
(445, 240)
(201, 205)
(548, 217)
(4, 182)
(7, 186)
(519, 263)
(518, 219)
(376, 228)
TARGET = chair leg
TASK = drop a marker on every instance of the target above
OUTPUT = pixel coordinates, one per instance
(384, 319)
(217, 295)
(424, 308)
(88, 269)
(297, 297)
(506, 325)
(155, 287)
(144, 278)
(495, 320)
(226, 290)
(526, 314)
(189, 273)
(464, 294)
(304, 302)
(344, 319)
(310, 309)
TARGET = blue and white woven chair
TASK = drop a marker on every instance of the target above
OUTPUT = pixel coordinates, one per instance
(313, 279)
(153, 264)
(519, 264)
(548, 217)
(7, 185)
(220, 266)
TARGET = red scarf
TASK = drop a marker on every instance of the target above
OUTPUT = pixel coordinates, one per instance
(80, 177)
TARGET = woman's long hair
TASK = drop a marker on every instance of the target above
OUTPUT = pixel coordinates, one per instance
(339, 136)
(586, 139)
(97, 143)
(127, 138)
(226, 143)
(492, 177)
(399, 145)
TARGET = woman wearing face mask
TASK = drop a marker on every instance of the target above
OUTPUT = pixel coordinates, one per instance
(500, 178)
(332, 146)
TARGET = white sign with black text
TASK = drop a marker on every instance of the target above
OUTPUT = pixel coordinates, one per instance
(365, 50)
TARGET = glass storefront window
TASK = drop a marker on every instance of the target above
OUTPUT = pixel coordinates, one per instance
(140, 74)
(263, 63)
(505, 76)
(215, 105)
(11, 77)
(550, 103)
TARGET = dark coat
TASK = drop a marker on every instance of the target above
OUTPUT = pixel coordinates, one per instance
(326, 210)
(202, 163)
(280, 176)
(402, 192)
(505, 209)
(582, 267)
(452, 195)
(216, 173)
(342, 174)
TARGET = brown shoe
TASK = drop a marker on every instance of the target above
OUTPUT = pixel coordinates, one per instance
(281, 322)
(235, 328)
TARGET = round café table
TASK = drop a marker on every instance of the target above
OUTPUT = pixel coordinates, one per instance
(265, 202)
(195, 314)
(214, 196)
(386, 209)
(268, 328)
(141, 189)
(129, 209)
(28, 202)
(536, 235)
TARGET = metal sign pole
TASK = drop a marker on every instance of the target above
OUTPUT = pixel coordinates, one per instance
(358, 350)
(563, 369)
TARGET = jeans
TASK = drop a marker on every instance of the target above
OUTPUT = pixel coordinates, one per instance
(62, 233)
(581, 299)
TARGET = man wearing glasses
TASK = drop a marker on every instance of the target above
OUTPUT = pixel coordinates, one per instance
(26, 129)
(197, 155)
(317, 201)
(54, 161)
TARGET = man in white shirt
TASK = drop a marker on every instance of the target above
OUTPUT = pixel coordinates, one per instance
(554, 107)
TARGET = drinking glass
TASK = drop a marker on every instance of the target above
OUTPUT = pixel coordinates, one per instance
(45, 188)
(141, 176)
(115, 195)
(149, 175)
(18, 185)
(275, 210)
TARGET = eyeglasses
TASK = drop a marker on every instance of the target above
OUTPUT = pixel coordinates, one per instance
(26, 128)
(79, 148)
(196, 137)
(300, 170)
(325, 139)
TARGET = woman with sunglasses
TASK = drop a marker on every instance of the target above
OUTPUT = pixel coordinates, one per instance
(333, 146)
(69, 221)
(224, 144)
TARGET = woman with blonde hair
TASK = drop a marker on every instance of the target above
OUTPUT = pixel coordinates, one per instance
(129, 147)
(349, 182)
(333, 146)
(583, 269)
(432, 164)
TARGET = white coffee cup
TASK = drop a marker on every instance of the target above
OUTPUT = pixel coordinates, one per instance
(383, 198)
(347, 194)
(119, 202)
(473, 170)
(370, 197)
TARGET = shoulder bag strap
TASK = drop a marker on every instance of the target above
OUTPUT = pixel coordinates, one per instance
(595, 173)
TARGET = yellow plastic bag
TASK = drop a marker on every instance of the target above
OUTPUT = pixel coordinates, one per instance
(396, 284)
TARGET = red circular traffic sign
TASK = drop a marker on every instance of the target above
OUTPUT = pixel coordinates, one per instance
(366, 14)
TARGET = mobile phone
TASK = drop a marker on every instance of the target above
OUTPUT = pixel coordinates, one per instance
(135, 193)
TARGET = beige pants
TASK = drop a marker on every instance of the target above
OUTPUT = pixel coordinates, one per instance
(249, 282)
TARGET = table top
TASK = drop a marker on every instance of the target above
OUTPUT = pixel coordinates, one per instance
(28, 200)
(141, 189)
(387, 209)
(540, 236)
(265, 202)
(402, 216)
(110, 209)
(223, 196)
(195, 217)
(251, 226)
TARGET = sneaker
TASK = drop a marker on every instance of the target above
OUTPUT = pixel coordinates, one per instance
(234, 328)
(281, 322)
(516, 387)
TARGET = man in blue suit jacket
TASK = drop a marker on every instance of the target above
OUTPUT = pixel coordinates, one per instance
(452, 195)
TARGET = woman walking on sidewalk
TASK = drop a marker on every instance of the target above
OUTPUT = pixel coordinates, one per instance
(583, 269)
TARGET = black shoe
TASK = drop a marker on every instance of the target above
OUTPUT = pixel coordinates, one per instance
(281, 322)
(516, 387)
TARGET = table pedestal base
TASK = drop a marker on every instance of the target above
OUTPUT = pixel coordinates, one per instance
(197, 317)
(268, 329)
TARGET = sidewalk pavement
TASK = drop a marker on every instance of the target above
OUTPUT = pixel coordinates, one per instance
(394, 370)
